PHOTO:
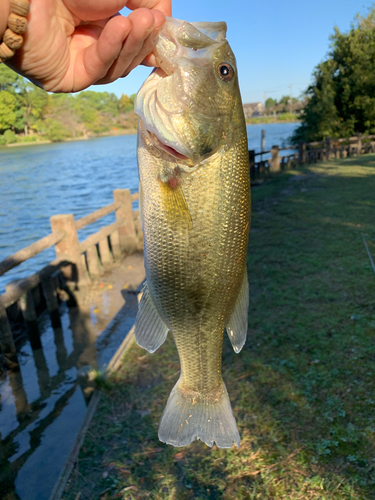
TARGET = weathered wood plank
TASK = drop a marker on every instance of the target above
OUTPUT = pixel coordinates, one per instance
(93, 260)
(16, 289)
(105, 253)
(95, 238)
(94, 216)
(30, 251)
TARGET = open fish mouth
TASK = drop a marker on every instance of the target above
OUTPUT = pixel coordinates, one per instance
(173, 152)
(165, 98)
(155, 107)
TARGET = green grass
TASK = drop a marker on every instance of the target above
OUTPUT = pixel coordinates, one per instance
(302, 389)
(281, 118)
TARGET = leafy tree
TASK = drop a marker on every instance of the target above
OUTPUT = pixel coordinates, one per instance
(55, 130)
(10, 80)
(341, 101)
(126, 103)
(34, 102)
(8, 105)
(9, 137)
(284, 100)
(27, 110)
(270, 103)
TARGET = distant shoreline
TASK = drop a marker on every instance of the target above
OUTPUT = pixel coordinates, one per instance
(265, 120)
(262, 120)
(73, 139)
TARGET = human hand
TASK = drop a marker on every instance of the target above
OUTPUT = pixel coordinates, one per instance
(72, 44)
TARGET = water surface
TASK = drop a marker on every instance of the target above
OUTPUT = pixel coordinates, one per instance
(37, 182)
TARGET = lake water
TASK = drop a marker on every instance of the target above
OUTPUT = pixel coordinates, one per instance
(37, 182)
(42, 405)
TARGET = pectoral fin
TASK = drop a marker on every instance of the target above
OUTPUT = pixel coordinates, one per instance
(150, 331)
(174, 203)
(238, 322)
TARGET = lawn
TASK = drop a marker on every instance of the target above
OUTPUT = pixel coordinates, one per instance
(302, 389)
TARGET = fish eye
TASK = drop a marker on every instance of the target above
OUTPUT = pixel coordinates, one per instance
(226, 71)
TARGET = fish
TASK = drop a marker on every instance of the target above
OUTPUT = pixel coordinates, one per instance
(194, 189)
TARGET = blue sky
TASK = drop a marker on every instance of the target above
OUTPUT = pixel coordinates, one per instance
(276, 43)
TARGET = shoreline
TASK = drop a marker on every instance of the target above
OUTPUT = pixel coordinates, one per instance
(73, 139)
(264, 121)
(249, 121)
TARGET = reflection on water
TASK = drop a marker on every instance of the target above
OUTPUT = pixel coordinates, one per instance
(43, 400)
(43, 405)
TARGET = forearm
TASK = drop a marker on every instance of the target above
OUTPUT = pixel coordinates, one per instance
(4, 13)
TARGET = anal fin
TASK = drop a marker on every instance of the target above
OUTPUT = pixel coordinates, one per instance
(238, 322)
(150, 331)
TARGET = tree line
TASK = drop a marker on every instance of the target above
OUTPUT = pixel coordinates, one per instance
(28, 113)
(341, 100)
(285, 104)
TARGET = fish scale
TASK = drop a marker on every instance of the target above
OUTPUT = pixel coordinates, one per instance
(195, 243)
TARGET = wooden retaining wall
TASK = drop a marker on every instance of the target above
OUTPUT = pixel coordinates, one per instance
(77, 264)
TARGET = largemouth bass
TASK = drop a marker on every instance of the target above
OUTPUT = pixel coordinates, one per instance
(195, 212)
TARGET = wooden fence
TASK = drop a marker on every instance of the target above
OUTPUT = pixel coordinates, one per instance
(76, 265)
(310, 152)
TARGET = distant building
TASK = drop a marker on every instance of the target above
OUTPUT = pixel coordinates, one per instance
(253, 109)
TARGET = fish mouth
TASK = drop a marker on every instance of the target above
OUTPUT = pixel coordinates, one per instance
(171, 151)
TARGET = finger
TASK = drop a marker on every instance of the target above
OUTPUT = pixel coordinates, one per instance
(164, 6)
(149, 43)
(93, 62)
(91, 10)
(142, 24)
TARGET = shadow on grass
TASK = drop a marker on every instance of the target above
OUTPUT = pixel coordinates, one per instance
(302, 388)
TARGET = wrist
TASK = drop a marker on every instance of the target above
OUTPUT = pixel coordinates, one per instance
(4, 14)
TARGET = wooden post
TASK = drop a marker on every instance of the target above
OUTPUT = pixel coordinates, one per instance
(115, 245)
(27, 307)
(275, 163)
(105, 254)
(18, 390)
(50, 294)
(93, 260)
(359, 144)
(127, 234)
(252, 163)
(302, 153)
(329, 148)
(69, 246)
(6, 340)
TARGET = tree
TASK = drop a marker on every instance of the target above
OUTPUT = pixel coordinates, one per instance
(126, 103)
(270, 103)
(10, 80)
(341, 101)
(25, 108)
(8, 104)
(54, 130)
(34, 102)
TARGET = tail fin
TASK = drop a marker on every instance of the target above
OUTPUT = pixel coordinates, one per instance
(190, 415)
